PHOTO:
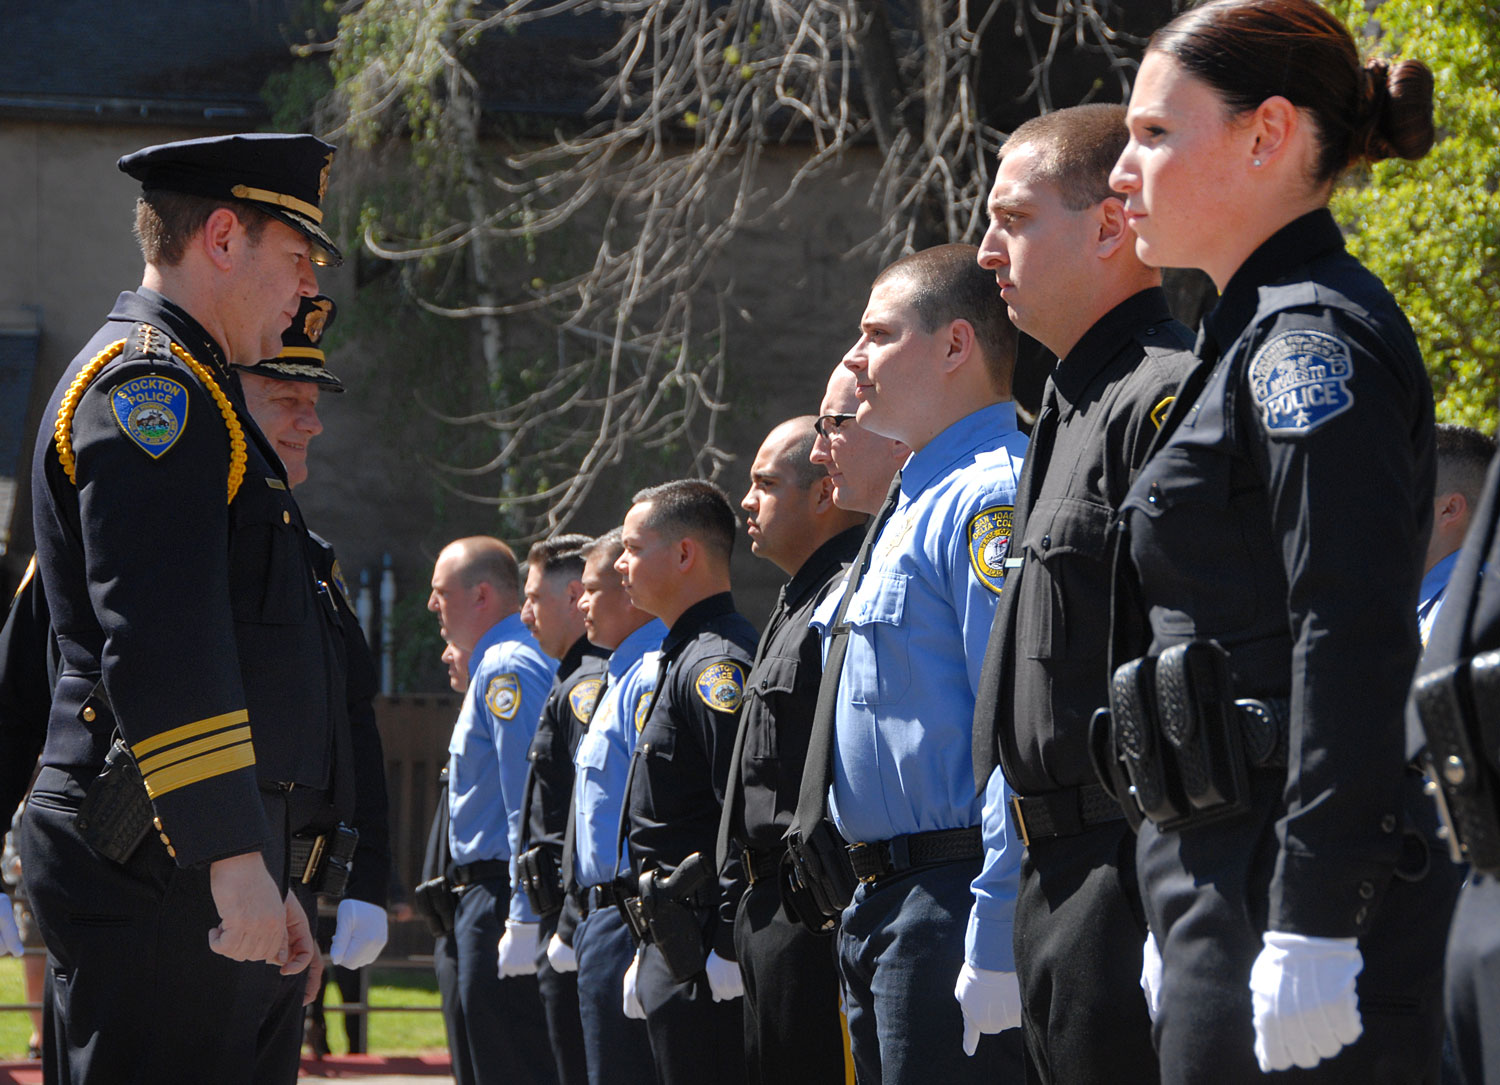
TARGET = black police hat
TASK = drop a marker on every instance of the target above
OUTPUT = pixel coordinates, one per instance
(283, 175)
(301, 358)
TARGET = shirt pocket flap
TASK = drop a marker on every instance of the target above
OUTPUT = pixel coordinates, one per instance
(881, 599)
(593, 751)
(1063, 526)
(773, 674)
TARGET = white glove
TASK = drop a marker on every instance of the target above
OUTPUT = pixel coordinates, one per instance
(359, 934)
(560, 956)
(632, 998)
(518, 949)
(1304, 1004)
(1151, 973)
(724, 979)
(991, 1002)
(10, 934)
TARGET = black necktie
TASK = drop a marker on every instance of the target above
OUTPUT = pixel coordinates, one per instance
(992, 701)
(812, 799)
(732, 786)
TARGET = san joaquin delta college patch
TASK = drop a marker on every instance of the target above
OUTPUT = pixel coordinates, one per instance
(989, 542)
(721, 686)
(152, 412)
(1300, 380)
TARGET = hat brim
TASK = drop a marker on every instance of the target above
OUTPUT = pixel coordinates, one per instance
(298, 372)
(325, 252)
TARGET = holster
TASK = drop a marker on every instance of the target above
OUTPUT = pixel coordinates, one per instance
(1201, 723)
(436, 901)
(540, 871)
(326, 870)
(798, 901)
(1459, 708)
(673, 922)
(821, 881)
(1137, 742)
(116, 812)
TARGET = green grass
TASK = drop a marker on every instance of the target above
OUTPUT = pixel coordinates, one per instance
(390, 1033)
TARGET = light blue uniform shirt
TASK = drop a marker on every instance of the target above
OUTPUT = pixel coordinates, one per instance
(508, 687)
(603, 757)
(1430, 597)
(919, 625)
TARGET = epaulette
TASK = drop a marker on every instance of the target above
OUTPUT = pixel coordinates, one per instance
(147, 342)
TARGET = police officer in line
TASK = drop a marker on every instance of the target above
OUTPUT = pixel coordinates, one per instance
(860, 464)
(792, 1028)
(1064, 257)
(1460, 653)
(1463, 457)
(678, 537)
(476, 594)
(198, 649)
(554, 568)
(933, 367)
(1273, 543)
(596, 868)
(282, 395)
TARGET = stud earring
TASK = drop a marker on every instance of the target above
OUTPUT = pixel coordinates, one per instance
(1256, 163)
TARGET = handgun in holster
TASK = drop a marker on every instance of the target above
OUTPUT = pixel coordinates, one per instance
(116, 812)
(1459, 707)
(540, 873)
(820, 875)
(1201, 724)
(676, 926)
(1137, 741)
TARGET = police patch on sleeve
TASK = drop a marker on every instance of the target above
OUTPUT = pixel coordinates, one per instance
(342, 585)
(152, 411)
(503, 696)
(721, 685)
(1300, 380)
(583, 697)
(642, 707)
(989, 542)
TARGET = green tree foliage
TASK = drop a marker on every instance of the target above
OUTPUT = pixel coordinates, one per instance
(1431, 228)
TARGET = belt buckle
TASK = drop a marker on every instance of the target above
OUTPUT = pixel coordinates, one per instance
(858, 846)
(1015, 807)
(314, 857)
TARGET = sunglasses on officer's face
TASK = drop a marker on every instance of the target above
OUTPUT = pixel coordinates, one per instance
(828, 424)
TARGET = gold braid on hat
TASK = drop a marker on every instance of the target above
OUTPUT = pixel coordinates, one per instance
(63, 433)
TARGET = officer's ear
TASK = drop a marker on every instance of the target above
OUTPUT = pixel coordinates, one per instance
(958, 344)
(1112, 228)
(217, 235)
(822, 496)
(688, 553)
(575, 592)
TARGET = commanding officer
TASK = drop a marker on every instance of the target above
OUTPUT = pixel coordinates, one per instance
(1064, 257)
(553, 590)
(792, 1029)
(861, 464)
(197, 648)
(601, 947)
(933, 366)
(1463, 456)
(282, 396)
(678, 537)
(476, 594)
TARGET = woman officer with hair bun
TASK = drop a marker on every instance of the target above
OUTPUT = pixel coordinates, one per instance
(1298, 904)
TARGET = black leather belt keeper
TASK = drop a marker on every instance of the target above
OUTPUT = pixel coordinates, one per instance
(760, 865)
(1063, 813)
(595, 897)
(880, 858)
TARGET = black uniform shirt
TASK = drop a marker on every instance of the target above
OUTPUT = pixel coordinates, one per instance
(28, 671)
(682, 754)
(1109, 395)
(1286, 517)
(780, 695)
(192, 624)
(565, 717)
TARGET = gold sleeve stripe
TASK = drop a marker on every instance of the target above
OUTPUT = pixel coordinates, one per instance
(200, 768)
(193, 749)
(189, 730)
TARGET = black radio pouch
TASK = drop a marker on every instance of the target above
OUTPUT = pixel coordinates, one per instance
(540, 873)
(1459, 705)
(822, 867)
(1201, 723)
(116, 813)
(798, 901)
(436, 901)
(332, 876)
(1138, 743)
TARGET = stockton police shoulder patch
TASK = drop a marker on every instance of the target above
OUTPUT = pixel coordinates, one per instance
(989, 542)
(1300, 380)
(642, 708)
(583, 697)
(503, 696)
(152, 412)
(721, 685)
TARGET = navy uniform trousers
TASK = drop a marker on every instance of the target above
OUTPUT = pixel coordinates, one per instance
(617, 1048)
(677, 1011)
(137, 963)
(1473, 980)
(559, 994)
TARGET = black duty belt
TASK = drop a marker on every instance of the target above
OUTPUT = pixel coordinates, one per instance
(761, 864)
(595, 897)
(876, 859)
(470, 873)
(1063, 813)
